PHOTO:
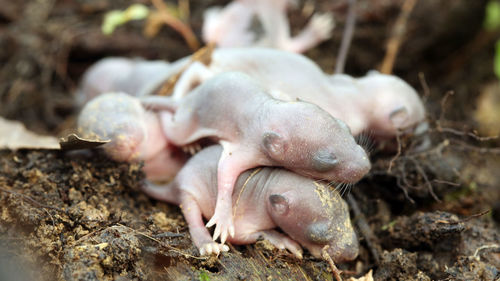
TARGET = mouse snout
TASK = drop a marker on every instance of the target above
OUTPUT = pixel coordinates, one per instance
(125, 143)
(344, 250)
(355, 166)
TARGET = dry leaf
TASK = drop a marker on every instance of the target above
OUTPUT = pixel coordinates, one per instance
(13, 135)
(73, 142)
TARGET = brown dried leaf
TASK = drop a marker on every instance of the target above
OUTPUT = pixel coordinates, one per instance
(14, 135)
(73, 142)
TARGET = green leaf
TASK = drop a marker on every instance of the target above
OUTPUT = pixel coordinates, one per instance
(136, 12)
(115, 18)
(492, 17)
(204, 276)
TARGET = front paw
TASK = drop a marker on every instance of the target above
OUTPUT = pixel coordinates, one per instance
(322, 25)
(212, 248)
(192, 148)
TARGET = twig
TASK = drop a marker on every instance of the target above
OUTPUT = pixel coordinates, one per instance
(173, 249)
(481, 150)
(425, 86)
(328, 258)
(184, 9)
(346, 37)
(405, 192)
(443, 107)
(485, 247)
(364, 228)
(185, 31)
(32, 201)
(421, 171)
(391, 163)
(398, 31)
(473, 216)
(470, 134)
(446, 182)
(168, 234)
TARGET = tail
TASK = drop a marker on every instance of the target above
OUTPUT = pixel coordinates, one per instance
(159, 103)
(165, 192)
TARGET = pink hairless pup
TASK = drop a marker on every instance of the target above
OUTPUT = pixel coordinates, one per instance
(134, 133)
(231, 26)
(378, 103)
(308, 212)
(257, 130)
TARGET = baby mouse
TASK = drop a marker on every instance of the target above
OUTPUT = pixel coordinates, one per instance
(135, 134)
(254, 130)
(308, 212)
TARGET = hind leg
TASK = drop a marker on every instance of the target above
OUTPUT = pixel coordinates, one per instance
(280, 241)
(197, 230)
(274, 19)
(318, 29)
(167, 192)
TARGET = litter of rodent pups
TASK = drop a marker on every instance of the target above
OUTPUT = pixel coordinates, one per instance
(265, 107)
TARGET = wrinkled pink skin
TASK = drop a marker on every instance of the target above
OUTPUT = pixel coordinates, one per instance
(257, 130)
(364, 104)
(231, 26)
(376, 103)
(135, 134)
(135, 77)
(309, 214)
(385, 103)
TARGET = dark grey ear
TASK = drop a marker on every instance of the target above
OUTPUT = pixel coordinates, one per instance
(319, 232)
(273, 143)
(398, 116)
(279, 203)
(324, 161)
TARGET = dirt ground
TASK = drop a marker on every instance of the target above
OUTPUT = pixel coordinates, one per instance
(431, 214)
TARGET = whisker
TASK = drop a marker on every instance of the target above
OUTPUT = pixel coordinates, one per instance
(365, 140)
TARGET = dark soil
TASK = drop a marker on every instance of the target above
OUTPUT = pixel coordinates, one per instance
(430, 214)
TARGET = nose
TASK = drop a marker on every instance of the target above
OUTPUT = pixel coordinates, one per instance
(344, 252)
(363, 165)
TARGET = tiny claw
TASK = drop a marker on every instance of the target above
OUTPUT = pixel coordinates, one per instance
(231, 231)
(209, 249)
(216, 250)
(298, 254)
(211, 222)
(223, 237)
(216, 233)
(225, 248)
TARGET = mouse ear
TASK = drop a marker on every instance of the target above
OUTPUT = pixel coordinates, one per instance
(274, 144)
(399, 116)
(279, 203)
